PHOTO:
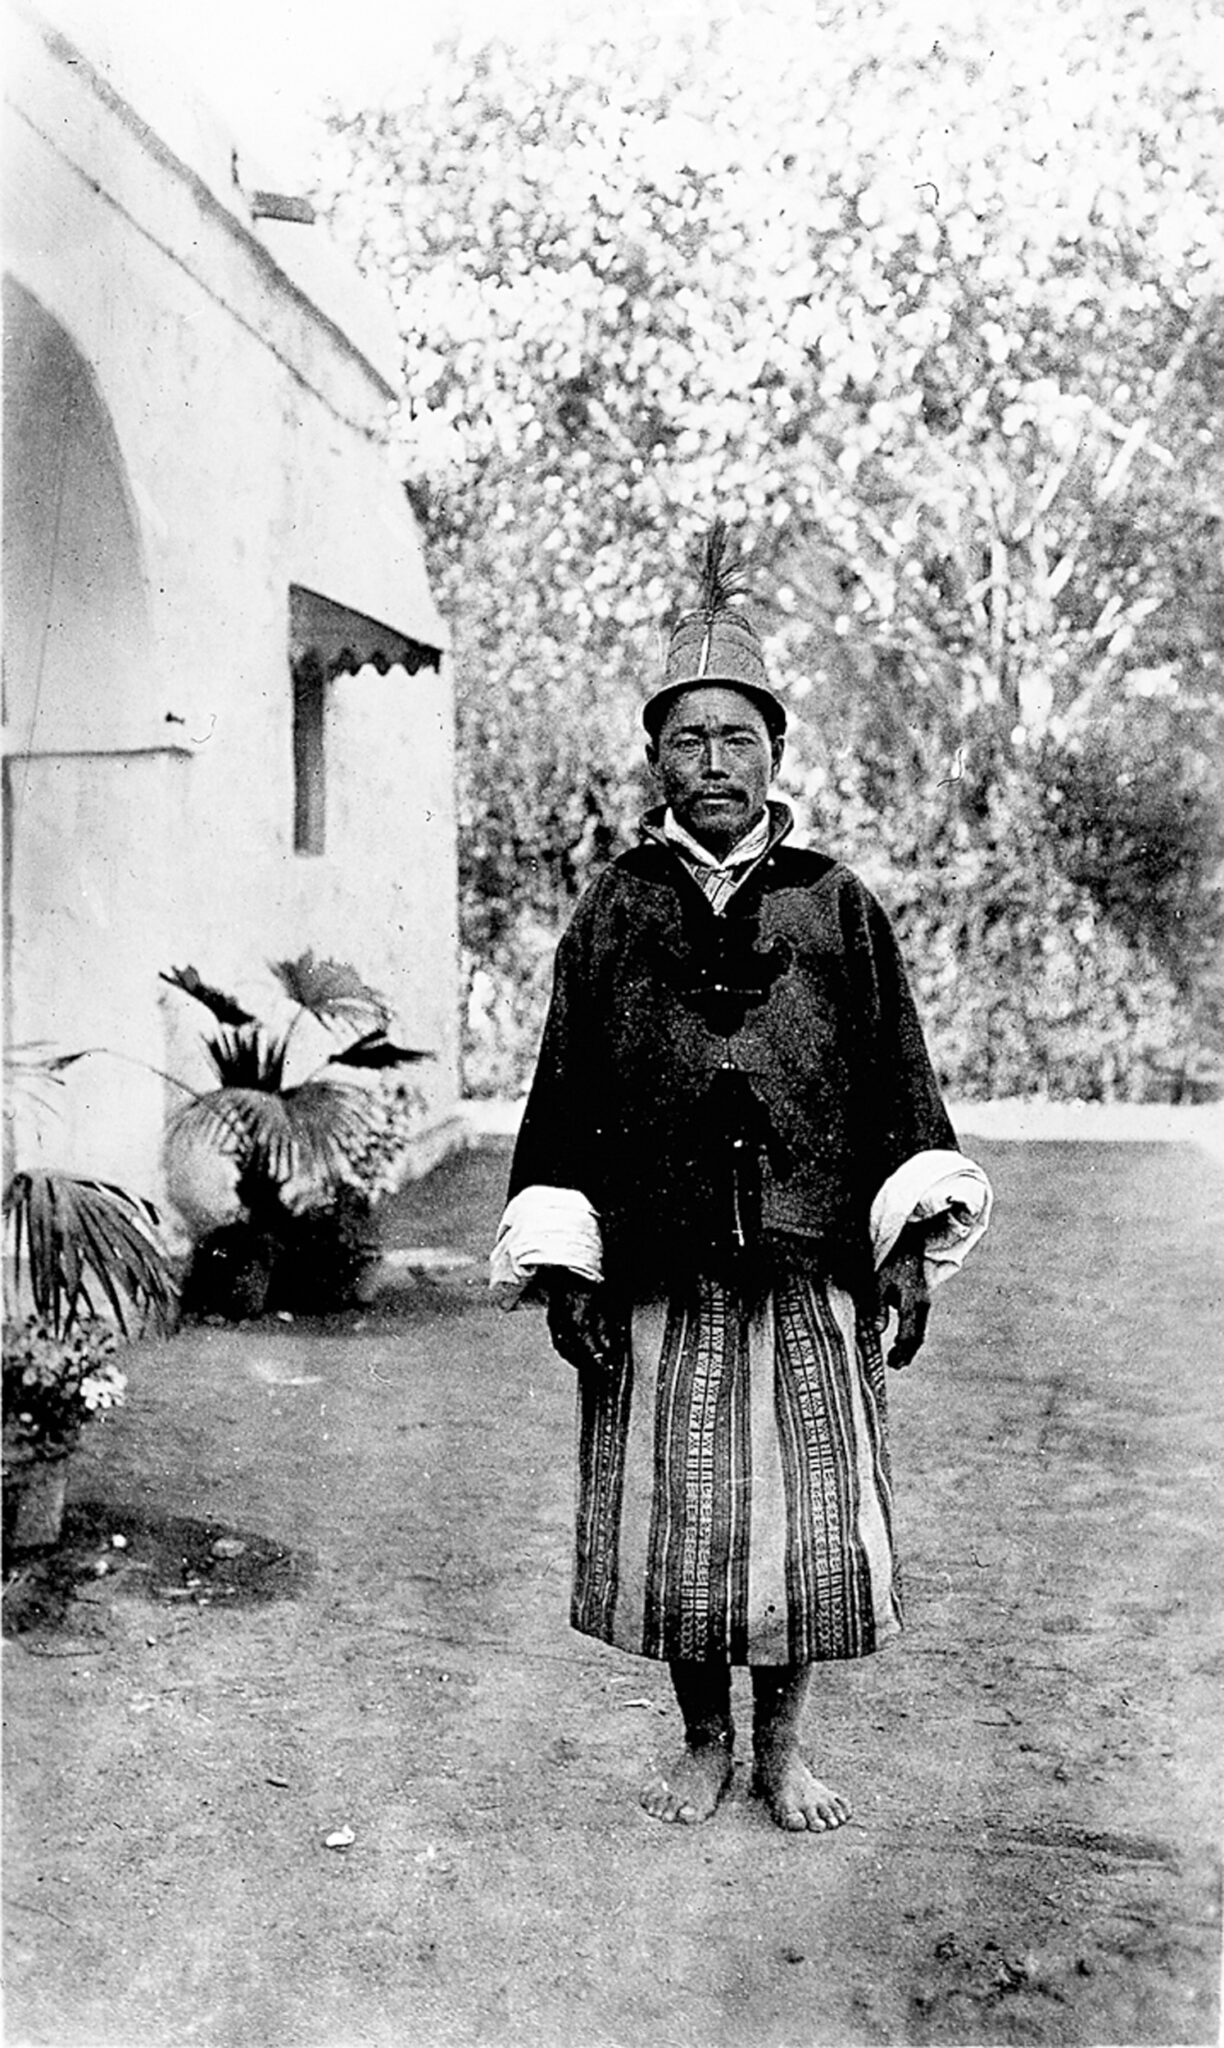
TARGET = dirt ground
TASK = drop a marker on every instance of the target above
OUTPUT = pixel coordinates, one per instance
(379, 1645)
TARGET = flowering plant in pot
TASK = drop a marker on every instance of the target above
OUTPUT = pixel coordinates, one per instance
(300, 1156)
(54, 1385)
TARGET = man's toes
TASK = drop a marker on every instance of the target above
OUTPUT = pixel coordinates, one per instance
(798, 1818)
(825, 1809)
(661, 1802)
(656, 1797)
(691, 1790)
(798, 1801)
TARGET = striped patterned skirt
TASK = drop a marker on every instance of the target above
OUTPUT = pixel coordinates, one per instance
(734, 1502)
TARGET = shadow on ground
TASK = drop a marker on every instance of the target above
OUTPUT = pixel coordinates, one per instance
(147, 1556)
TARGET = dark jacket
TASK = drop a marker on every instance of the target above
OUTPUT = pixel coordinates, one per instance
(731, 1091)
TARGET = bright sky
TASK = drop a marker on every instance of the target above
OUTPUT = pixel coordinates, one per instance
(267, 66)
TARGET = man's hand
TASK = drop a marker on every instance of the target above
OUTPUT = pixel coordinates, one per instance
(579, 1323)
(904, 1286)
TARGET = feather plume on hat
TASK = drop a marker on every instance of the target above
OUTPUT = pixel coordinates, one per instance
(722, 581)
(717, 642)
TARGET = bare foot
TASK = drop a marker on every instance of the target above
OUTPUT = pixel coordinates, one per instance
(796, 1798)
(689, 1790)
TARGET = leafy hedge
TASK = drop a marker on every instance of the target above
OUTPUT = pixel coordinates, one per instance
(929, 303)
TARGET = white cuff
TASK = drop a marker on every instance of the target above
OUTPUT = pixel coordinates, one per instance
(544, 1227)
(934, 1184)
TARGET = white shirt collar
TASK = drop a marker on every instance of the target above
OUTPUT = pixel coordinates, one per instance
(750, 847)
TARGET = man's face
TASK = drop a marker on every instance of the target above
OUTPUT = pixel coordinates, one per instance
(714, 761)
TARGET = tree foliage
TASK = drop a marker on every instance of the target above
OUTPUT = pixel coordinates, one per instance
(930, 303)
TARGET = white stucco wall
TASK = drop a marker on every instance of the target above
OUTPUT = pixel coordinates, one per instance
(152, 822)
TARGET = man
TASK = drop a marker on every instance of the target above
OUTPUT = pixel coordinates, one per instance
(733, 1162)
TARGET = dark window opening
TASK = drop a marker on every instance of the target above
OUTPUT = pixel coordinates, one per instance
(309, 766)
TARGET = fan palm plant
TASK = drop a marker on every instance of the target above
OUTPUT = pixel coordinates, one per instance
(80, 1247)
(291, 1146)
(279, 1135)
(85, 1246)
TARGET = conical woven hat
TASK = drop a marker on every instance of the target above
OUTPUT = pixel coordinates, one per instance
(717, 643)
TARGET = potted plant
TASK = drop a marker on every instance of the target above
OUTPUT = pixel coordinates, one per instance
(88, 1262)
(53, 1385)
(290, 1222)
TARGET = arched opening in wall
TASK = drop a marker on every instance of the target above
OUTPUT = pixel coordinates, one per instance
(86, 801)
(78, 672)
